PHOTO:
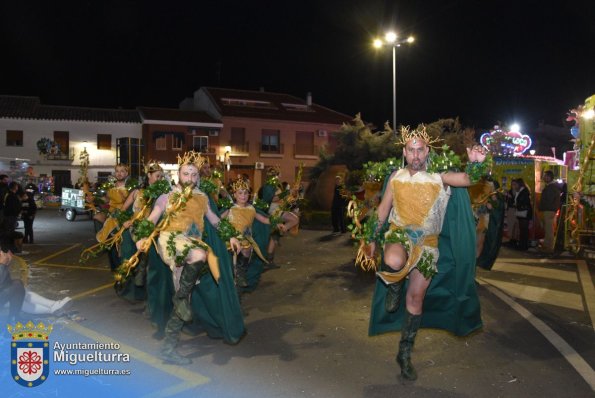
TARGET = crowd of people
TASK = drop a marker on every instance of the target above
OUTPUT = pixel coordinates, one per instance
(17, 204)
(191, 249)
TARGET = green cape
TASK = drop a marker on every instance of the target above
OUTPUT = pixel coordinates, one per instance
(493, 239)
(451, 301)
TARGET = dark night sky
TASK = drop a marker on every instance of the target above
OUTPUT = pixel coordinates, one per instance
(482, 60)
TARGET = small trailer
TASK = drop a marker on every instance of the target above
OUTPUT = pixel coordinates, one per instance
(73, 204)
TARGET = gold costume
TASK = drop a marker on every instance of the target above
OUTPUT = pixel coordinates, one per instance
(117, 196)
(242, 219)
(184, 232)
(419, 206)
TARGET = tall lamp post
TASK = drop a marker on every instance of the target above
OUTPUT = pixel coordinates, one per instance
(391, 39)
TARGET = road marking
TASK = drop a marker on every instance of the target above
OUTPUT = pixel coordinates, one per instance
(175, 389)
(532, 270)
(57, 253)
(588, 288)
(71, 266)
(575, 360)
(539, 294)
(191, 379)
(90, 292)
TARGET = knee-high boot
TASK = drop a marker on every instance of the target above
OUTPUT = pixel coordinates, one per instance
(181, 299)
(411, 325)
(140, 274)
(172, 336)
(241, 270)
(393, 296)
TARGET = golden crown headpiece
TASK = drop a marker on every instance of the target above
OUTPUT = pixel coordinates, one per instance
(274, 171)
(240, 184)
(30, 331)
(191, 157)
(152, 166)
(419, 133)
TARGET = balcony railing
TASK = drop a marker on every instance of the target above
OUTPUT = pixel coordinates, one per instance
(280, 150)
(204, 150)
(311, 151)
(240, 148)
(60, 155)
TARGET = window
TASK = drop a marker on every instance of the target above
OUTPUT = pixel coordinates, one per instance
(14, 138)
(238, 140)
(104, 141)
(61, 138)
(177, 141)
(270, 141)
(304, 143)
(200, 143)
(160, 142)
(103, 176)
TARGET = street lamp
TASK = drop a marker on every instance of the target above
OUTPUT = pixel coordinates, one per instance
(391, 39)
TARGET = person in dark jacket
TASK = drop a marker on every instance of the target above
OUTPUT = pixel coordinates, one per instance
(338, 207)
(3, 193)
(548, 207)
(12, 207)
(29, 208)
(524, 213)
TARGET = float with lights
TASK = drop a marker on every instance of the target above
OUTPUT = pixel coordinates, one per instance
(579, 233)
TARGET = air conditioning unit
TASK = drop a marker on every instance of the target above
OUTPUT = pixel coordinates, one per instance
(259, 166)
(322, 133)
(214, 133)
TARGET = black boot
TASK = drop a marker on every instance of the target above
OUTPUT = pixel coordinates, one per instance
(271, 262)
(140, 274)
(393, 296)
(172, 336)
(241, 270)
(181, 299)
(411, 324)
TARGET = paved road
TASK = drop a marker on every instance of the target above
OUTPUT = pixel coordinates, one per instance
(307, 330)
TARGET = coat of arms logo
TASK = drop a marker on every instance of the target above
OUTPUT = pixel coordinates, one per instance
(30, 353)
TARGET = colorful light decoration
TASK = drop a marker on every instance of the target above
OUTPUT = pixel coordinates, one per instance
(514, 143)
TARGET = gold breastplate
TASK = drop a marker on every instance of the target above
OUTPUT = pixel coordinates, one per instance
(242, 217)
(193, 212)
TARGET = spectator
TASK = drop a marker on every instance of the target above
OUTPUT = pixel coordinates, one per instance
(524, 213)
(3, 193)
(18, 298)
(12, 207)
(338, 207)
(29, 209)
(512, 222)
(548, 206)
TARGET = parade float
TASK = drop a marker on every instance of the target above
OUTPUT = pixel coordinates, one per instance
(513, 159)
(579, 232)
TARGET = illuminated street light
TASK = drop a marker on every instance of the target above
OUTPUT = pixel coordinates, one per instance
(391, 39)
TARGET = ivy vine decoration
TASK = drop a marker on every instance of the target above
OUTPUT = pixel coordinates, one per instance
(226, 230)
(477, 170)
(443, 162)
(155, 190)
(272, 180)
(378, 171)
(225, 203)
(261, 205)
(44, 145)
(208, 186)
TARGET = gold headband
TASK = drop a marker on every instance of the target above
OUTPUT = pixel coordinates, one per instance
(152, 167)
(191, 158)
(419, 133)
(274, 171)
(240, 184)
